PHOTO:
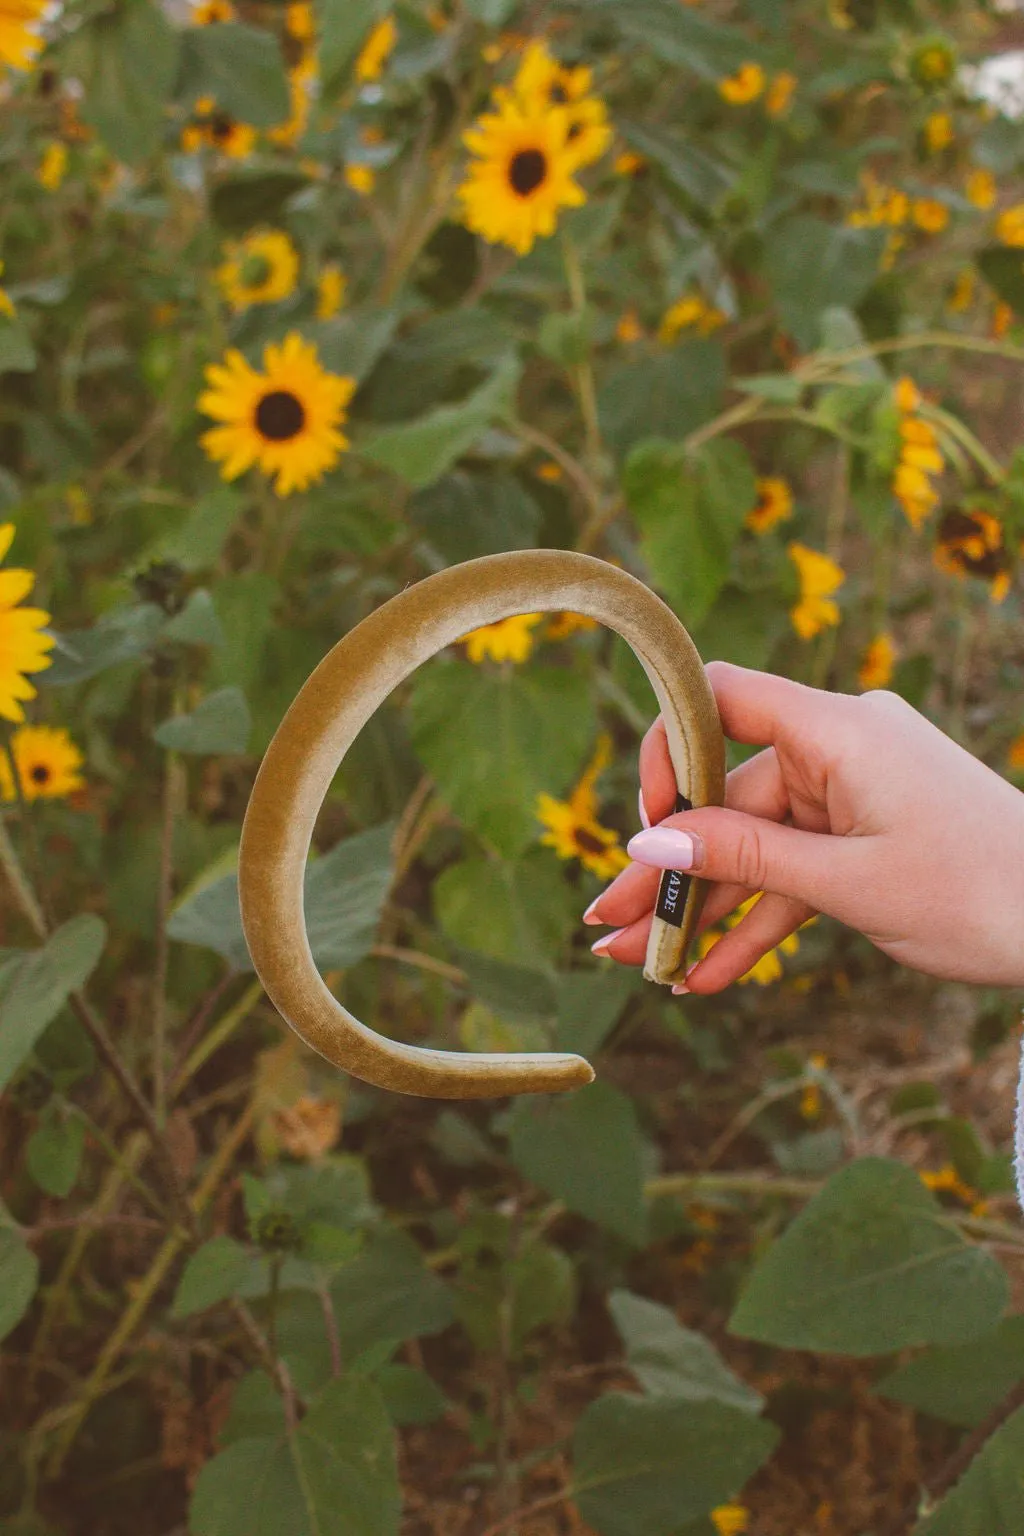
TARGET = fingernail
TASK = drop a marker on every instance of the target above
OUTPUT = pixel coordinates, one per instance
(642, 808)
(601, 945)
(588, 916)
(664, 847)
(679, 988)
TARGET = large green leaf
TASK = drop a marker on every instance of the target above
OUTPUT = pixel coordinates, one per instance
(589, 1006)
(872, 1264)
(963, 1382)
(344, 893)
(215, 1271)
(465, 515)
(387, 1292)
(813, 265)
(1002, 266)
(679, 36)
(54, 1153)
(989, 1498)
(664, 396)
(342, 26)
(219, 723)
(649, 1465)
(19, 1274)
(253, 197)
(507, 909)
(669, 1360)
(517, 991)
(493, 740)
(585, 1149)
(690, 169)
(40, 986)
(419, 452)
(690, 511)
(127, 61)
(122, 635)
(339, 1463)
(240, 67)
(17, 354)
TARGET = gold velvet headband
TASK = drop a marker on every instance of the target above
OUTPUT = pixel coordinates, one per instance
(338, 699)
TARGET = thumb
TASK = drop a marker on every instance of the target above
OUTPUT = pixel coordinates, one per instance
(734, 848)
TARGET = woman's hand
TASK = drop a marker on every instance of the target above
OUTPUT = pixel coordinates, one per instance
(859, 808)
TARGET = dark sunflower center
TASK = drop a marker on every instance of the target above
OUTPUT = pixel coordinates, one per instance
(587, 841)
(280, 416)
(39, 773)
(254, 271)
(221, 127)
(526, 171)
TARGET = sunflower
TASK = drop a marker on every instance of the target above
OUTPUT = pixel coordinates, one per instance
(330, 291)
(53, 166)
(19, 41)
(375, 51)
(933, 62)
(261, 269)
(300, 21)
(1015, 754)
(780, 94)
(938, 132)
(303, 82)
(819, 578)
(206, 12)
(774, 504)
(691, 310)
(506, 640)
(22, 647)
(744, 86)
(929, 214)
(730, 1519)
(879, 658)
(215, 129)
(47, 763)
(542, 82)
(521, 176)
(971, 544)
(919, 457)
(573, 830)
(6, 308)
(1010, 225)
(561, 625)
(284, 420)
(980, 188)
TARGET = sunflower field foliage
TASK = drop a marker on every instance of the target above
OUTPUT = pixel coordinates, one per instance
(300, 303)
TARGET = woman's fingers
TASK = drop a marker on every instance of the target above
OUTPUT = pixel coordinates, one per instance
(626, 944)
(768, 922)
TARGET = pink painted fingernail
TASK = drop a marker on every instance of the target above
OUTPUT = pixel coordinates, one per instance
(645, 819)
(679, 988)
(664, 847)
(600, 947)
(588, 916)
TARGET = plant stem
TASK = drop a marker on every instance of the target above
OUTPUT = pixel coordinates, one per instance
(583, 373)
(173, 783)
(221, 1031)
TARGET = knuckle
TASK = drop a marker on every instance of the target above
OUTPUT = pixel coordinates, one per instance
(751, 862)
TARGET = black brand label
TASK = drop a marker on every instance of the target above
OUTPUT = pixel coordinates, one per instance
(674, 886)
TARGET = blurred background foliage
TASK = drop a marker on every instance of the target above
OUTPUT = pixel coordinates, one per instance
(300, 303)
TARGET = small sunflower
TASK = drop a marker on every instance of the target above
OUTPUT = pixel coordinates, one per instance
(877, 666)
(261, 269)
(330, 291)
(6, 307)
(971, 544)
(820, 576)
(20, 42)
(980, 188)
(573, 830)
(542, 82)
(774, 504)
(562, 625)
(47, 763)
(730, 1519)
(691, 311)
(780, 94)
(506, 640)
(206, 12)
(375, 51)
(1010, 225)
(22, 645)
(521, 176)
(1015, 754)
(929, 214)
(284, 420)
(744, 86)
(938, 132)
(933, 63)
(300, 21)
(215, 129)
(53, 166)
(361, 178)
(303, 83)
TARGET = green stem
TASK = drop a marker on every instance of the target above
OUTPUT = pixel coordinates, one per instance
(221, 1031)
(583, 373)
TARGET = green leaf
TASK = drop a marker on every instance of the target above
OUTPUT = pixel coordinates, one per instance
(350, 344)
(421, 451)
(584, 1148)
(665, 396)
(410, 1395)
(344, 894)
(679, 36)
(779, 388)
(872, 1264)
(41, 986)
(220, 723)
(669, 1360)
(589, 1006)
(505, 1292)
(690, 512)
(342, 26)
(387, 1292)
(963, 1382)
(465, 515)
(700, 178)
(197, 541)
(492, 740)
(240, 67)
(54, 1153)
(19, 1275)
(517, 991)
(1002, 267)
(506, 909)
(240, 202)
(127, 61)
(123, 635)
(493, 13)
(342, 1457)
(743, 627)
(989, 1498)
(650, 1465)
(197, 623)
(812, 266)
(215, 1271)
(17, 354)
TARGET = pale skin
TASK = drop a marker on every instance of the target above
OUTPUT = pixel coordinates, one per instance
(858, 807)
